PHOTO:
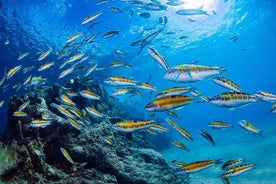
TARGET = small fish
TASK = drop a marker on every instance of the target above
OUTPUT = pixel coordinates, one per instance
(237, 170)
(1, 103)
(23, 106)
(45, 54)
(119, 53)
(93, 111)
(226, 83)
(27, 69)
(174, 91)
(198, 11)
(159, 128)
(73, 37)
(13, 71)
(148, 39)
(232, 99)
(151, 131)
(136, 43)
(74, 123)
(40, 123)
(91, 17)
(114, 9)
(120, 81)
(145, 85)
(266, 96)
(168, 103)
(158, 57)
(180, 145)
(123, 91)
(67, 155)
(65, 99)
(27, 80)
(110, 34)
(207, 136)
(21, 56)
(71, 93)
(144, 14)
(20, 114)
(89, 94)
(195, 166)
(174, 114)
(45, 66)
(91, 69)
(75, 57)
(65, 112)
(90, 39)
(66, 72)
(107, 139)
(2, 80)
(249, 127)
(219, 124)
(192, 72)
(47, 117)
(132, 125)
(231, 163)
(119, 64)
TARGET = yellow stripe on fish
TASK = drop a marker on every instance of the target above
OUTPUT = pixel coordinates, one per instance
(180, 145)
(45, 54)
(120, 81)
(196, 166)
(40, 123)
(158, 57)
(231, 163)
(232, 99)
(132, 125)
(192, 73)
(45, 66)
(266, 96)
(249, 126)
(20, 114)
(65, 99)
(93, 111)
(13, 71)
(91, 17)
(168, 102)
(237, 170)
(67, 155)
(226, 83)
(89, 94)
(219, 124)
(174, 91)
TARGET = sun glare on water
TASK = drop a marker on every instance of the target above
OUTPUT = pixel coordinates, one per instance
(207, 5)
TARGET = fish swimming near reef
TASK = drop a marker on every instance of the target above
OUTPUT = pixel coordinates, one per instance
(89, 94)
(93, 112)
(192, 72)
(133, 125)
(40, 123)
(180, 145)
(237, 170)
(66, 154)
(232, 100)
(20, 114)
(194, 166)
(198, 11)
(44, 54)
(207, 136)
(45, 66)
(168, 103)
(226, 83)
(117, 80)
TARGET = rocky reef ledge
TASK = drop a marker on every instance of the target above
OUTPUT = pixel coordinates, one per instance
(33, 155)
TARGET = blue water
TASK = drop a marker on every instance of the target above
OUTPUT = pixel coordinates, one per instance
(35, 26)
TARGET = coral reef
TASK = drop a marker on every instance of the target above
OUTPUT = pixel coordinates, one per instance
(33, 155)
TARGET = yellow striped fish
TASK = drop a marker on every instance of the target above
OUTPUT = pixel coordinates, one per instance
(13, 71)
(266, 96)
(158, 57)
(226, 83)
(180, 145)
(168, 102)
(219, 124)
(249, 126)
(192, 73)
(89, 94)
(74, 123)
(21, 56)
(120, 81)
(73, 37)
(195, 166)
(45, 54)
(66, 72)
(132, 125)
(40, 123)
(147, 86)
(65, 99)
(174, 91)
(20, 114)
(67, 155)
(45, 66)
(159, 128)
(23, 106)
(232, 99)
(231, 163)
(93, 111)
(237, 170)
(107, 139)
